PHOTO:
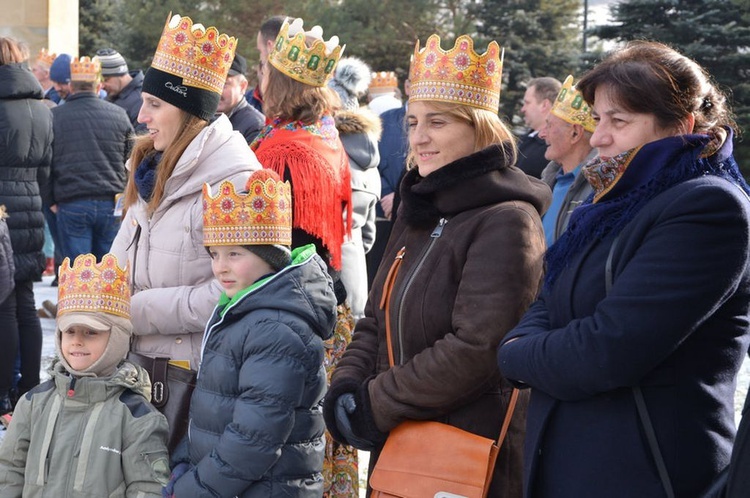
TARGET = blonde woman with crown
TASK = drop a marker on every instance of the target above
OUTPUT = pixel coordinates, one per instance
(161, 236)
(302, 145)
(470, 243)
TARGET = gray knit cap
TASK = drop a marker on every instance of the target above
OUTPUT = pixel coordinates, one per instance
(113, 64)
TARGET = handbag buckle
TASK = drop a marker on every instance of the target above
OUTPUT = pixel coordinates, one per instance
(157, 392)
(446, 494)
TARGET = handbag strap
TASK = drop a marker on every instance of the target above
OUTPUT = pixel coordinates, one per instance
(640, 401)
(385, 303)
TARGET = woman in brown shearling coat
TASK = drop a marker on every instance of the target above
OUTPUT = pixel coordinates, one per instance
(470, 225)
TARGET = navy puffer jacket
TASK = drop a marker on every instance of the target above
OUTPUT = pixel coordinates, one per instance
(25, 155)
(256, 423)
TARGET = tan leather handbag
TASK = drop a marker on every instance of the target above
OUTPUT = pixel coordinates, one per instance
(426, 459)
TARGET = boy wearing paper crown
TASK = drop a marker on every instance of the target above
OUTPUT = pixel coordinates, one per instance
(89, 430)
(255, 423)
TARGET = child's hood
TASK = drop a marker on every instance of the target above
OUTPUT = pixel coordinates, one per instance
(127, 375)
(303, 288)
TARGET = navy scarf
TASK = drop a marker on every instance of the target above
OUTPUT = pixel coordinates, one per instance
(656, 167)
(145, 175)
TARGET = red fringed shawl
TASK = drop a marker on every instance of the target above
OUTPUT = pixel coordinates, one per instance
(321, 181)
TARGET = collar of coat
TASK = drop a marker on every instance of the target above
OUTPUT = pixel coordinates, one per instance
(479, 179)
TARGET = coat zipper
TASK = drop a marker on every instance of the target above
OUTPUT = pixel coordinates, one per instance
(436, 233)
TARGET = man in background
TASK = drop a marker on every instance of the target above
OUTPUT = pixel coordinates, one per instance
(123, 87)
(537, 101)
(244, 118)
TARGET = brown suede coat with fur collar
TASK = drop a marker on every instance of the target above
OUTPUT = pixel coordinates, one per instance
(473, 263)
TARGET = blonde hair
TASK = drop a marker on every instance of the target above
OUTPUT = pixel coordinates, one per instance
(11, 51)
(489, 129)
(290, 100)
(144, 146)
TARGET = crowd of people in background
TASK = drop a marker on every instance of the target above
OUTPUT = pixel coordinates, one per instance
(333, 254)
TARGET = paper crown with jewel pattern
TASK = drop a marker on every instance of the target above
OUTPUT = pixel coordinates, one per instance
(200, 56)
(570, 106)
(46, 58)
(383, 82)
(459, 75)
(262, 216)
(85, 69)
(93, 287)
(311, 65)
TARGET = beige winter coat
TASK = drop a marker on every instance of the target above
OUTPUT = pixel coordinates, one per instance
(174, 291)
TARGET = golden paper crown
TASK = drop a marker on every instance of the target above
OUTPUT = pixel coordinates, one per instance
(570, 106)
(85, 69)
(459, 75)
(46, 58)
(263, 216)
(201, 57)
(383, 81)
(312, 65)
(93, 287)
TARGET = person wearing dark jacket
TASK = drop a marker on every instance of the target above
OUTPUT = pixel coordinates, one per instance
(255, 424)
(244, 117)
(470, 241)
(25, 155)
(92, 143)
(123, 87)
(644, 316)
(537, 101)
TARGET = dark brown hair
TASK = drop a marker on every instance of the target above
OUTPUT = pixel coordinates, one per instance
(144, 146)
(652, 78)
(290, 100)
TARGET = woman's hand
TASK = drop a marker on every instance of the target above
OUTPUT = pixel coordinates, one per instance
(346, 406)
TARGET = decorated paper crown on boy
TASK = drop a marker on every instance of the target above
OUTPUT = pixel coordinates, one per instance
(570, 107)
(303, 55)
(85, 69)
(459, 75)
(45, 58)
(259, 220)
(96, 296)
(190, 66)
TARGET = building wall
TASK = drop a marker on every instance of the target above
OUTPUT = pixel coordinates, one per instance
(52, 24)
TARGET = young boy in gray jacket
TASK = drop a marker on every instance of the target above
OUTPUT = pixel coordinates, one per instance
(89, 430)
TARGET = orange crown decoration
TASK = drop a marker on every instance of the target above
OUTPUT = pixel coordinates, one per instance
(262, 216)
(312, 65)
(459, 75)
(85, 69)
(383, 81)
(570, 107)
(93, 287)
(201, 57)
(46, 58)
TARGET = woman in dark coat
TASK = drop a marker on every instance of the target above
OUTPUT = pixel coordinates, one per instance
(470, 225)
(25, 155)
(668, 231)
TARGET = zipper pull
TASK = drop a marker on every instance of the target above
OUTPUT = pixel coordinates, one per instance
(72, 388)
(439, 228)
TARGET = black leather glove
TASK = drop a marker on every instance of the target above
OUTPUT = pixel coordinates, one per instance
(345, 407)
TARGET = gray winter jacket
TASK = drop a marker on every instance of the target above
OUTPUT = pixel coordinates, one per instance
(256, 425)
(359, 131)
(92, 438)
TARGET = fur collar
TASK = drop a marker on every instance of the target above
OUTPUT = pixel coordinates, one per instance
(362, 120)
(426, 200)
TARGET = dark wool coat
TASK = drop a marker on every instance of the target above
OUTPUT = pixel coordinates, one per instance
(531, 151)
(25, 155)
(473, 263)
(256, 428)
(675, 322)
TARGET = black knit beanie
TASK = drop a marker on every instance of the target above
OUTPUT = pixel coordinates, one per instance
(277, 256)
(170, 88)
